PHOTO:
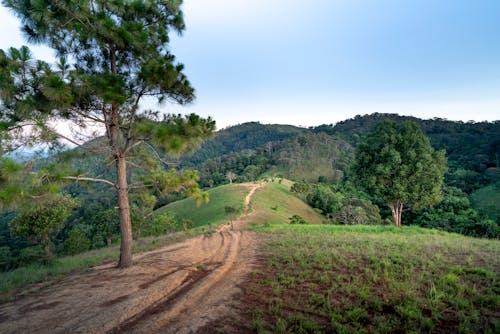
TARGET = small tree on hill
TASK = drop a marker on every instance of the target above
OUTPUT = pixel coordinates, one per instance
(113, 54)
(230, 176)
(397, 164)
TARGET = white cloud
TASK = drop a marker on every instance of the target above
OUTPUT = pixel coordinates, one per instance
(11, 36)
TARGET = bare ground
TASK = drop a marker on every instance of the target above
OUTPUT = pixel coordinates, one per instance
(181, 288)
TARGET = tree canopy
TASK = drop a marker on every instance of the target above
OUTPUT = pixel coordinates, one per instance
(112, 55)
(397, 164)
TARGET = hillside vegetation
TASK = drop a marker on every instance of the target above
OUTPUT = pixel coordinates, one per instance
(214, 212)
(275, 204)
(318, 159)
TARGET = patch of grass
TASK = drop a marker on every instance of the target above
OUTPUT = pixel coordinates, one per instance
(375, 279)
(213, 212)
(275, 204)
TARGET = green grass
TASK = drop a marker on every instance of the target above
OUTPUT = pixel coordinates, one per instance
(213, 212)
(275, 204)
(374, 279)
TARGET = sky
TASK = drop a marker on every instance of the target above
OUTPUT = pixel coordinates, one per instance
(318, 62)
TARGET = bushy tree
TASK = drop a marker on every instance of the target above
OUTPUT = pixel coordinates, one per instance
(323, 197)
(142, 206)
(112, 54)
(358, 212)
(397, 164)
(77, 241)
(455, 214)
(296, 219)
(43, 219)
(163, 223)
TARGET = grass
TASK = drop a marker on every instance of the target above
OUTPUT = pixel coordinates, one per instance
(373, 279)
(275, 204)
(213, 212)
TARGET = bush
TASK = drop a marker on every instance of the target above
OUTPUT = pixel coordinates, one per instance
(40, 221)
(454, 214)
(296, 219)
(6, 258)
(161, 224)
(77, 242)
(358, 212)
(36, 254)
(187, 224)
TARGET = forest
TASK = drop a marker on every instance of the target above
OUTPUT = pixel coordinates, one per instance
(319, 160)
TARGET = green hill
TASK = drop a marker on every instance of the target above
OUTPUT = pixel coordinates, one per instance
(272, 203)
(213, 212)
(472, 146)
(275, 204)
(246, 136)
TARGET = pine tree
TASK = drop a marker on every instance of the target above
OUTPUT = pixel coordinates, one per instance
(112, 54)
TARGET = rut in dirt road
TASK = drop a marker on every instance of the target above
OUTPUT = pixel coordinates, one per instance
(175, 289)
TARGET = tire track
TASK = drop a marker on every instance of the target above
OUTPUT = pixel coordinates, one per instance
(187, 294)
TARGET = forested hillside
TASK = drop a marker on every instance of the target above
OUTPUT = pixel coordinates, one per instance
(238, 138)
(471, 146)
(318, 159)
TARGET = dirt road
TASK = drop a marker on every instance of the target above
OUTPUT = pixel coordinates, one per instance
(175, 289)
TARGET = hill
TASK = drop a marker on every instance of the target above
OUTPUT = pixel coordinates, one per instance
(309, 278)
(305, 156)
(472, 146)
(272, 203)
(246, 136)
(214, 212)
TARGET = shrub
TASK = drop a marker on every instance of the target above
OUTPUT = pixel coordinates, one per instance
(358, 212)
(161, 224)
(77, 242)
(296, 219)
(187, 224)
(36, 254)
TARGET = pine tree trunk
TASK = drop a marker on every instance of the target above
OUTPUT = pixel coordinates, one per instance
(124, 213)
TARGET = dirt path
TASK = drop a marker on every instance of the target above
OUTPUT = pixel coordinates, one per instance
(175, 289)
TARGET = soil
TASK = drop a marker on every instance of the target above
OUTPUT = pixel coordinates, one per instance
(181, 288)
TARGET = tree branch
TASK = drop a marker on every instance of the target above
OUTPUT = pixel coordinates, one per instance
(140, 185)
(62, 136)
(170, 164)
(137, 143)
(91, 179)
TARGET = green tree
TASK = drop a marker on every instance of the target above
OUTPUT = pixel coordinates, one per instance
(77, 241)
(113, 54)
(142, 207)
(397, 164)
(43, 219)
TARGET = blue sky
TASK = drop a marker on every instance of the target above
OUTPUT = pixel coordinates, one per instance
(322, 61)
